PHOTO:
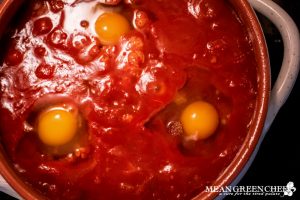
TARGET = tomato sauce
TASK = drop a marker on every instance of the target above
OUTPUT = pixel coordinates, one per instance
(129, 96)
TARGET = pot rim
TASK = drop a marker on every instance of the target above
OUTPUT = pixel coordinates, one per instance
(251, 23)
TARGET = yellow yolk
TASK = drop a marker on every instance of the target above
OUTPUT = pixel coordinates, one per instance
(56, 127)
(199, 120)
(110, 27)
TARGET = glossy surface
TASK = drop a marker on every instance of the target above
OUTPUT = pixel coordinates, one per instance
(127, 93)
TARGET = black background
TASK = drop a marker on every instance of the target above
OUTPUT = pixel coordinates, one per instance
(277, 161)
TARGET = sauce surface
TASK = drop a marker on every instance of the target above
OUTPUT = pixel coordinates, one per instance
(127, 97)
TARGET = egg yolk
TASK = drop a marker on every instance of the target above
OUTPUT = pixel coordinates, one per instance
(199, 120)
(110, 27)
(56, 127)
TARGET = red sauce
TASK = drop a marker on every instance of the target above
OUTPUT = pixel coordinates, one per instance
(125, 93)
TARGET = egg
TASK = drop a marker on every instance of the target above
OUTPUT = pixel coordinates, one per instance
(200, 120)
(110, 27)
(56, 126)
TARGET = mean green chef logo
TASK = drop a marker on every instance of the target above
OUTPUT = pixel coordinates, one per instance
(290, 189)
(263, 191)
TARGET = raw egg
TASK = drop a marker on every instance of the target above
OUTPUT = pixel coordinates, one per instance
(56, 126)
(110, 27)
(199, 120)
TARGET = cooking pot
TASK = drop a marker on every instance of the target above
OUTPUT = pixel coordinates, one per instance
(268, 102)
